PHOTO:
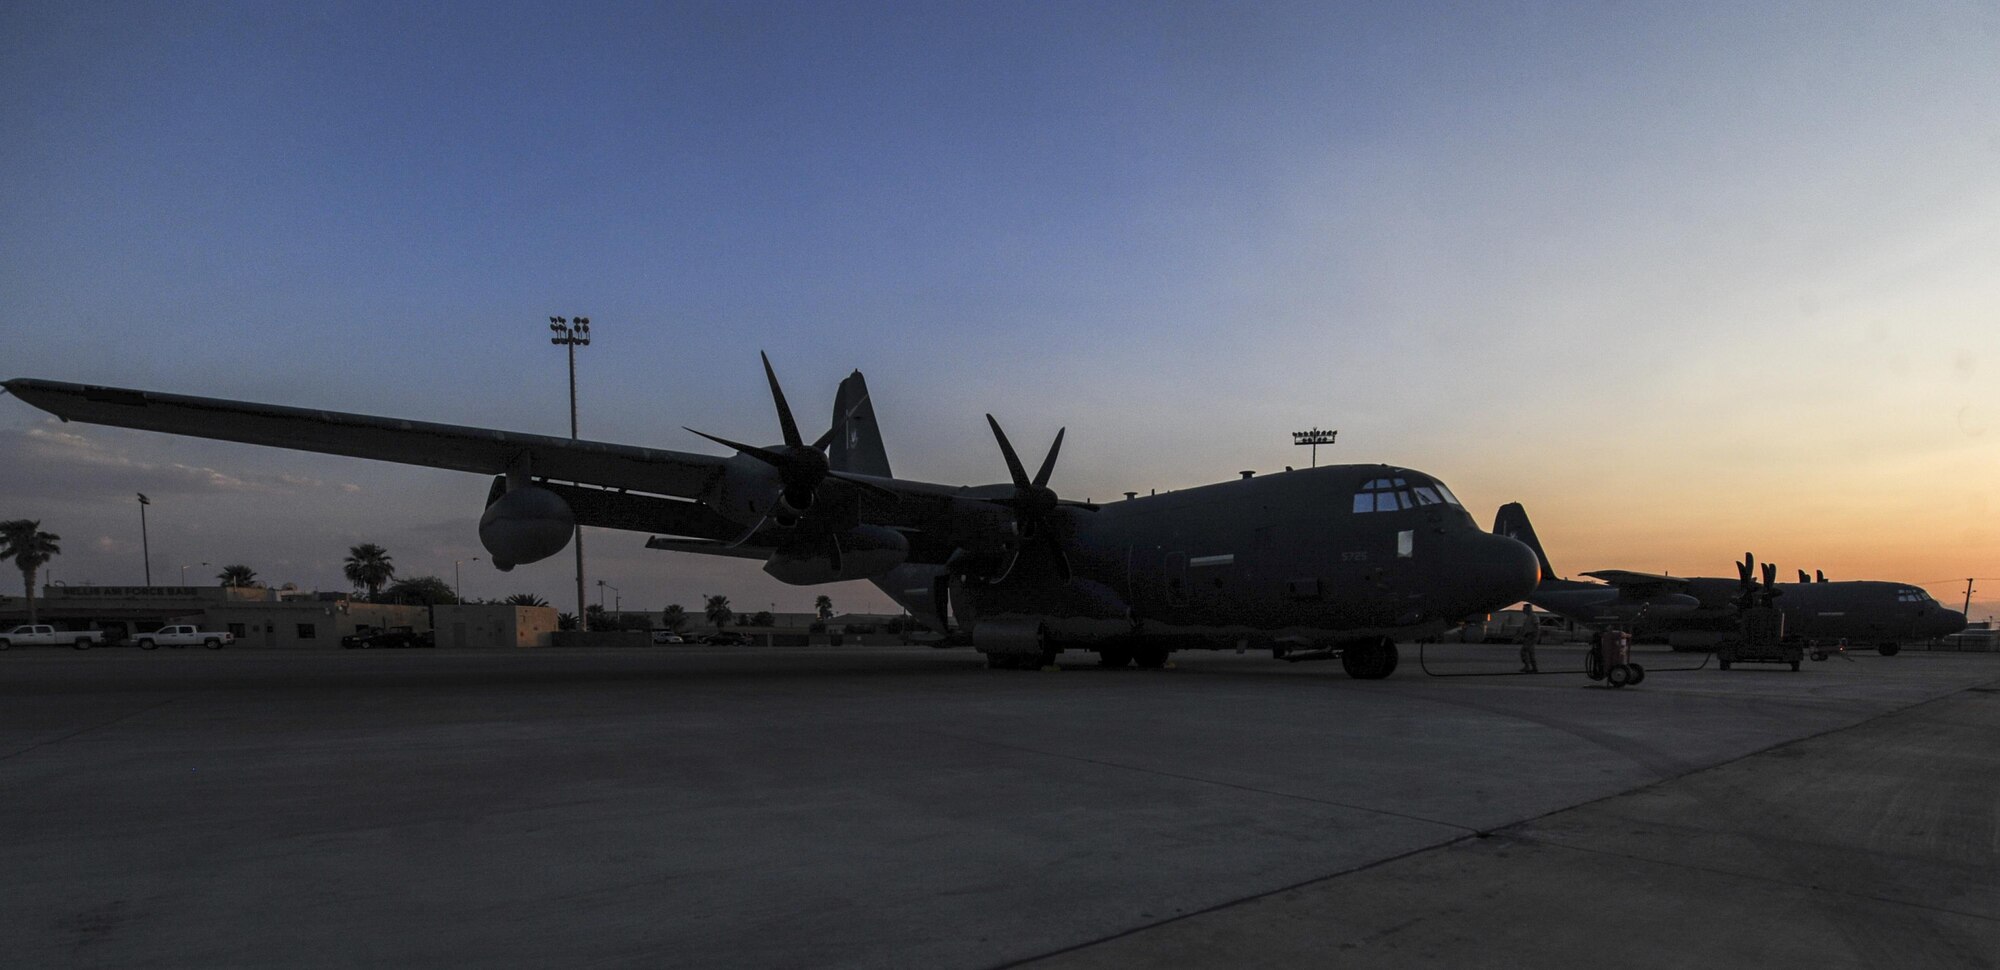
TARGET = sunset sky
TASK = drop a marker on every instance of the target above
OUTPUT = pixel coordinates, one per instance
(1688, 279)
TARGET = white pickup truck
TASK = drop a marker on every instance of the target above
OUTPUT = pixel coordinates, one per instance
(183, 635)
(44, 635)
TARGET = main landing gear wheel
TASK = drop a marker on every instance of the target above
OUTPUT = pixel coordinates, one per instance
(1888, 649)
(1369, 659)
(1150, 658)
(1114, 658)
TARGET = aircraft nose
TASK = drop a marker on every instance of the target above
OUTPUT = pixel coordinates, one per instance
(1498, 571)
(1946, 623)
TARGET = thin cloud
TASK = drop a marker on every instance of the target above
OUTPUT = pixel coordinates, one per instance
(47, 459)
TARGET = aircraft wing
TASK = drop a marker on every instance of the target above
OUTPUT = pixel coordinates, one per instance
(479, 450)
(1627, 578)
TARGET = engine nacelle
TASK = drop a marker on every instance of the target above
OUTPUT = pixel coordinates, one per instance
(747, 491)
(864, 552)
(526, 525)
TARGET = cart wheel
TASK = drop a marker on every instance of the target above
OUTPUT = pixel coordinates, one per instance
(1817, 656)
(1618, 676)
(1593, 664)
(1638, 674)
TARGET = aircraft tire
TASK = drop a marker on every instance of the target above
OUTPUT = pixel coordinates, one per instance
(1369, 659)
(1724, 664)
(1150, 658)
(1114, 658)
(1795, 666)
(1888, 649)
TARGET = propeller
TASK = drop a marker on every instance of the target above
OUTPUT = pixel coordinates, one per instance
(801, 467)
(1819, 577)
(1803, 578)
(1034, 502)
(1751, 595)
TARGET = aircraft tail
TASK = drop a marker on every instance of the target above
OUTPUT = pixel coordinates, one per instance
(1512, 522)
(857, 441)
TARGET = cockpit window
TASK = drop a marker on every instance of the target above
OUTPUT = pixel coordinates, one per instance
(1909, 595)
(1397, 494)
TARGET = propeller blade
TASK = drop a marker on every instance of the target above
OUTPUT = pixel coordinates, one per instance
(833, 551)
(1014, 469)
(1049, 463)
(766, 456)
(785, 422)
(941, 601)
(1803, 578)
(1770, 574)
(745, 537)
(1818, 576)
(1061, 557)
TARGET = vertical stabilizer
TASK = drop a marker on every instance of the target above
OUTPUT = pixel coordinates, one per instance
(857, 440)
(1512, 522)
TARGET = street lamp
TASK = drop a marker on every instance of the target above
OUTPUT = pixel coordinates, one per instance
(145, 547)
(574, 333)
(457, 590)
(184, 571)
(617, 599)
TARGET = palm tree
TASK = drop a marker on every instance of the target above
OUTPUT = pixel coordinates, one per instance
(674, 618)
(565, 621)
(525, 599)
(824, 607)
(23, 541)
(237, 576)
(368, 565)
(718, 612)
(421, 591)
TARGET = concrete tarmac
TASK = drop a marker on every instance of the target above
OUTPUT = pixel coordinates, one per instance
(896, 807)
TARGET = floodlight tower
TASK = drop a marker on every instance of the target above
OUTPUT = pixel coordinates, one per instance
(574, 333)
(1315, 438)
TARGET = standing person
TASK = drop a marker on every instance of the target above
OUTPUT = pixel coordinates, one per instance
(1529, 638)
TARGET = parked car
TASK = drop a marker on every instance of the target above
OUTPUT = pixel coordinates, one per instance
(727, 639)
(667, 636)
(44, 635)
(389, 639)
(184, 635)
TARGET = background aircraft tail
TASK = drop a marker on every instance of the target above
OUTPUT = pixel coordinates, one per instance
(857, 441)
(1512, 522)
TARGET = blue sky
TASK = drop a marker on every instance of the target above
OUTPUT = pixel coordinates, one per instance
(1685, 278)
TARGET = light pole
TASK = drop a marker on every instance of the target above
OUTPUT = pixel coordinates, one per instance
(184, 571)
(617, 599)
(145, 547)
(1315, 438)
(573, 334)
(457, 589)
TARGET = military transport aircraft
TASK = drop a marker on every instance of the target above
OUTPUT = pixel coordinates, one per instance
(1344, 558)
(1696, 612)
